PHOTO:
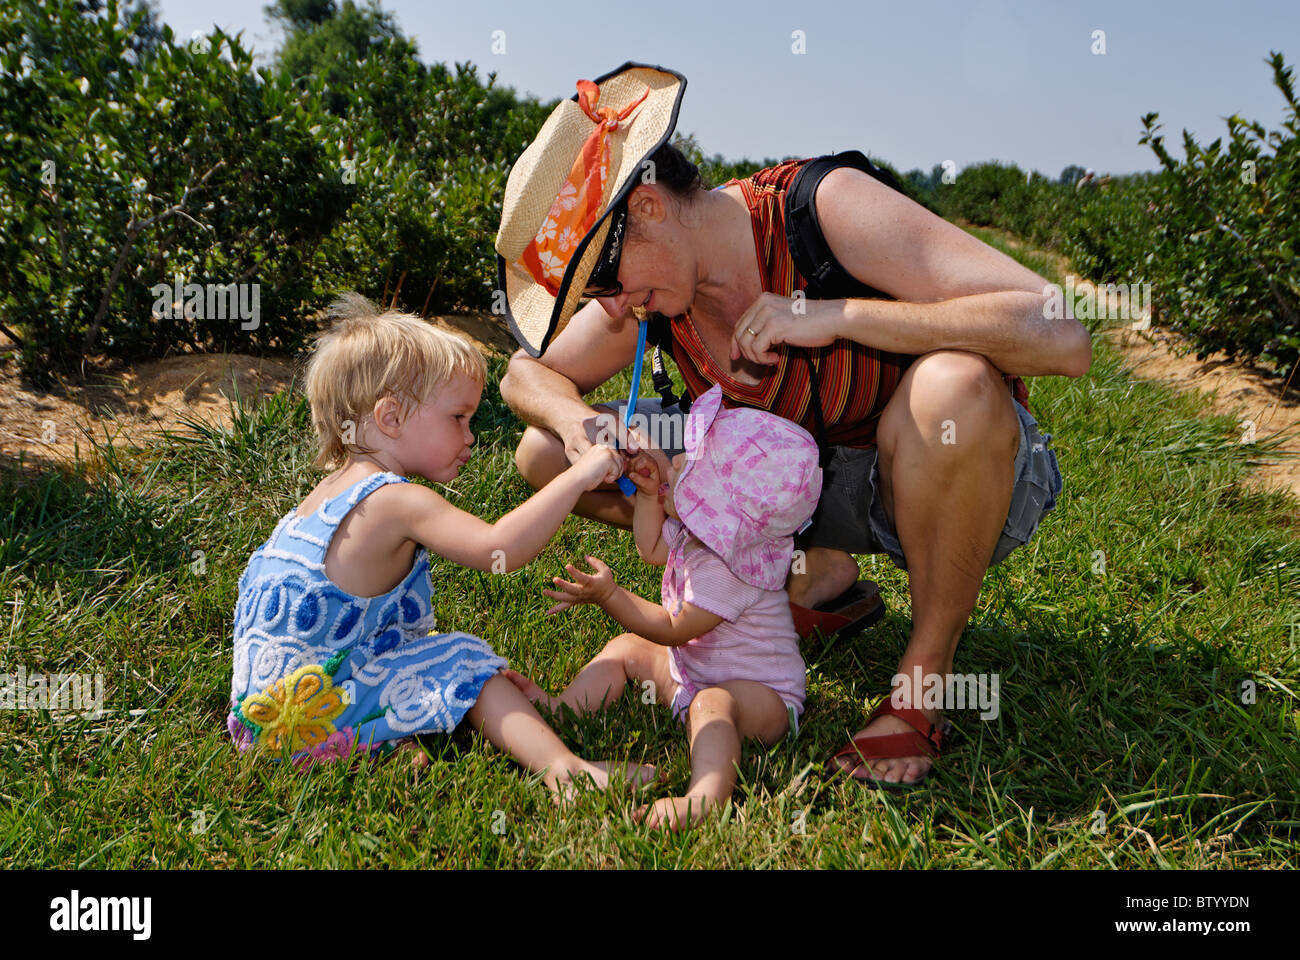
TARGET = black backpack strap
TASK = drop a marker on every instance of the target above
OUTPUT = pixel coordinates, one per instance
(663, 384)
(824, 450)
(825, 275)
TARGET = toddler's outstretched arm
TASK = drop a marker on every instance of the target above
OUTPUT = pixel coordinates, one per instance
(517, 537)
(637, 614)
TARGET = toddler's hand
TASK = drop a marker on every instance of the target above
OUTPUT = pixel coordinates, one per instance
(591, 587)
(599, 464)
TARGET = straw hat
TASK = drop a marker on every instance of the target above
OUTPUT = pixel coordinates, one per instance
(555, 219)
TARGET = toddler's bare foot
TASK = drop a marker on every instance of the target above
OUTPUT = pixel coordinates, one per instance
(419, 759)
(587, 775)
(675, 813)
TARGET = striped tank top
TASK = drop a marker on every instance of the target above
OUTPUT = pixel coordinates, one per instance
(856, 381)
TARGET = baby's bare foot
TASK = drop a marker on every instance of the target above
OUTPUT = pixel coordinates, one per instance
(635, 775)
(675, 813)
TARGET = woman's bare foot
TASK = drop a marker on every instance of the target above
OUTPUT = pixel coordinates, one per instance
(675, 813)
(827, 574)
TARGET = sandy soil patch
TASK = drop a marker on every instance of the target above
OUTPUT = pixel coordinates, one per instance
(130, 405)
(1251, 394)
(133, 404)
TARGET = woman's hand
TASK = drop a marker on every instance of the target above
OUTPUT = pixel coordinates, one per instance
(773, 319)
(591, 587)
(581, 435)
(603, 428)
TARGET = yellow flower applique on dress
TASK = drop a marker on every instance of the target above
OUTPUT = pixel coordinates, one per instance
(298, 710)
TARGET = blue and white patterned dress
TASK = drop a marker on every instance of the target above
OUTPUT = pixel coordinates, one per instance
(324, 673)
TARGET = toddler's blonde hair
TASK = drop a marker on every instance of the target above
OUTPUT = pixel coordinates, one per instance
(366, 354)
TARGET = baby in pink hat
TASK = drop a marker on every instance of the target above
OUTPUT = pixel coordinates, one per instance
(722, 650)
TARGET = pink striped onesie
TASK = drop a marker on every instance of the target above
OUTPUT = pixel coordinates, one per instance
(755, 641)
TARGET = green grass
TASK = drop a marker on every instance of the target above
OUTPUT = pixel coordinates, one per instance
(1122, 635)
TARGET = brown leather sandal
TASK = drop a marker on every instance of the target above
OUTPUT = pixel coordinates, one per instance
(925, 739)
(850, 613)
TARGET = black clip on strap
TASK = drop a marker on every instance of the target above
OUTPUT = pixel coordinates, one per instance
(663, 384)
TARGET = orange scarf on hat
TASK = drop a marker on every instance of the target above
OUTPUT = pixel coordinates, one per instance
(578, 204)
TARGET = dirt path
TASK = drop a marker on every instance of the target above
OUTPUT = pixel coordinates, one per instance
(130, 405)
(133, 404)
(1241, 390)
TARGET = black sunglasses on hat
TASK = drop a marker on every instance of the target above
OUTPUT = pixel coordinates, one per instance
(603, 281)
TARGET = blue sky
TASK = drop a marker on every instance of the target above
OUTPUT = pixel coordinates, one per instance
(916, 83)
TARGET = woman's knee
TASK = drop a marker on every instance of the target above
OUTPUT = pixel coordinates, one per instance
(956, 376)
(539, 457)
(949, 393)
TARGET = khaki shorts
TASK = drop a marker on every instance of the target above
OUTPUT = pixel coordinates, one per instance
(851, 516)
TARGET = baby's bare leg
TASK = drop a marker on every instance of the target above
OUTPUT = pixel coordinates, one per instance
(602, 681)
(505, 717)
(719, 718)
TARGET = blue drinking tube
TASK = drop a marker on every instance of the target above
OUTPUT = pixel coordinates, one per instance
(624, 484)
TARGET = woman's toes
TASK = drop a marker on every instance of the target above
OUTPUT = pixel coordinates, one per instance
(897, 770)
(868, 769)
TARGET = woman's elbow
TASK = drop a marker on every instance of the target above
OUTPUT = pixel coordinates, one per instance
(1077, 358)
(510, 379)
(1067, 348)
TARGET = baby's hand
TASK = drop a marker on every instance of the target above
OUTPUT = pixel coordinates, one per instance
(648, 471)
(591, 587)
(599, 464)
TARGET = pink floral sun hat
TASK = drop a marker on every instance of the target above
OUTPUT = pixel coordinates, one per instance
(750, 481)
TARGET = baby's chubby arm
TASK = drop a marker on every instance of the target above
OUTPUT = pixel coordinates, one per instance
(647, 473)
(637, 614)
(517, 537)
